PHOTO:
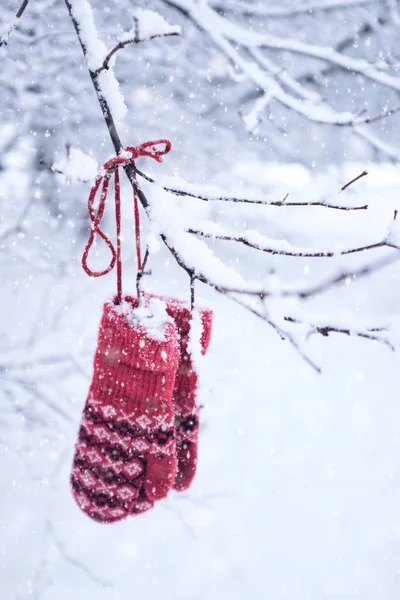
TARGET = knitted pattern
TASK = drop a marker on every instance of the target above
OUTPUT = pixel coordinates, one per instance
(185, 389)
(125, 456)
(185, 393)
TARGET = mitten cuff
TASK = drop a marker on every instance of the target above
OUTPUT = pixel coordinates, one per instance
(181, 313)
(124, 340)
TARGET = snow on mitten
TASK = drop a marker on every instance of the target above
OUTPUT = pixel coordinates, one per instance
(185, 392)
(125, 454)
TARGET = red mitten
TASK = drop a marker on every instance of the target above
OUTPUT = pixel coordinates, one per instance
(125, 454)
(185, 392)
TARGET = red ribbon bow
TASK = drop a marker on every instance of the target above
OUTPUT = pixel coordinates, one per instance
(127, 157)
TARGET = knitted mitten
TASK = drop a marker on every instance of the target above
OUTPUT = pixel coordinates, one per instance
(185, 392)
(125, 453)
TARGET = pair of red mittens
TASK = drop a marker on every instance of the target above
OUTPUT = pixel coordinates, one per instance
(139, 430)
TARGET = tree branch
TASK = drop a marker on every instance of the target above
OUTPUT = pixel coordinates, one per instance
(116, 141)
(262, 10)
(242, 239)
(6, 36)
(343, 277)
(235, 42)
(283, 202)
(166, 233)
(106, 63)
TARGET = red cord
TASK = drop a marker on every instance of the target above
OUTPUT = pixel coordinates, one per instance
(111, 166)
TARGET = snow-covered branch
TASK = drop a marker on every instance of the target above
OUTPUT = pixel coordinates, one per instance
(148, 25)
(179, 187)
(247, 50)
(197, 259)
(270, 10)
(8, 28)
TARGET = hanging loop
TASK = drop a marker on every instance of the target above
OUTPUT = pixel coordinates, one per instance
(155, 150)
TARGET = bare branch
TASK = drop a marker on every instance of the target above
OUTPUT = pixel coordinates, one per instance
(326, 330)
(283, 202)
(349, 183)
(141, 272)
(242, 239)
(61, 548)
(284, 335)
(347, 277)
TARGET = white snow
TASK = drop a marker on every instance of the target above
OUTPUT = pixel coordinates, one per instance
(7, 28)
(77, 166)
(96, 52)
(151, 315)
(393, 232)
(297, 492)
(167, 219)
(298, 474)
(150, 24)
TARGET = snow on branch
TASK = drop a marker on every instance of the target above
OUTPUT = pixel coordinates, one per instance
(246, 50)
(8, 28)
(257, 241)
(179, 187)
(346, 277)
(266, 10)
(147, 25)
(76, 166)
(209, 20)
(95, 52)
(277, 305)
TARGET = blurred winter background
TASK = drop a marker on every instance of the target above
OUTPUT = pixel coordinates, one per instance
(297, 494)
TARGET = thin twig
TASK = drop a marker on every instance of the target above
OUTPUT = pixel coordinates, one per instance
(283, 334)
(234, 199)
(279, 252)
(349, 183)
(136, 40)
(367, 120)
(344, 277)
(326, 330)
(141, 272)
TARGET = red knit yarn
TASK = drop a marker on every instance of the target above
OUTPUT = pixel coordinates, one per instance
(132, 433)
(127, 157)
(125, 455)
